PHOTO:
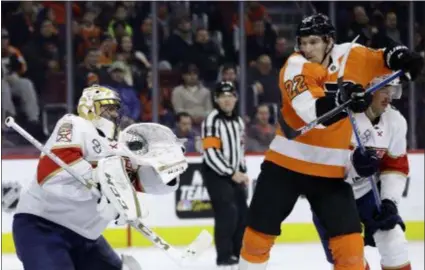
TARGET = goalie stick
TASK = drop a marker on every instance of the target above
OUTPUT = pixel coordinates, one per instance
(356, 130)
(291, 133)
(197, 247)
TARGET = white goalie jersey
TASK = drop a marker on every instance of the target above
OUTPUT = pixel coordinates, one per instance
(56, 196)
(388, 138)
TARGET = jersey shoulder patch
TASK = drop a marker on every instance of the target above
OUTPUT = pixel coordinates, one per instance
(68, 126)
(64, 133)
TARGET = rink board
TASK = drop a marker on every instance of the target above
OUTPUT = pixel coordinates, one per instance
(163, 217)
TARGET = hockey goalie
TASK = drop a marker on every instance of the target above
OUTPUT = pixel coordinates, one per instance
(58, 222)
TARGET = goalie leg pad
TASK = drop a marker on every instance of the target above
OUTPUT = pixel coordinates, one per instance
(347, 251)
(256, 248)
(393, 248)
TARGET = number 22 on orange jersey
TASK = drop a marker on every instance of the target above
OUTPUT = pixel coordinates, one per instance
(296, 86)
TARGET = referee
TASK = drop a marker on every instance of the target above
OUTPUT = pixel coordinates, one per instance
(224, 173)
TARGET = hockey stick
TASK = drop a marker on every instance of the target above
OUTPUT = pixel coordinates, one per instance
(291, 133)
(10, 122)
(197, 247)
(356, 130)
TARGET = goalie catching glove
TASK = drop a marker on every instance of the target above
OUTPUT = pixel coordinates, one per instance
(154, 160)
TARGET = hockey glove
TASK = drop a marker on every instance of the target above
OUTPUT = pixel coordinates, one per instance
(387, 218)
(400, 58)
(360, 103)
(365, 164)
(361, 100)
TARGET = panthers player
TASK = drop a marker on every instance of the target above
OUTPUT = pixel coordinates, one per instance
(59, 222)
(383, 128)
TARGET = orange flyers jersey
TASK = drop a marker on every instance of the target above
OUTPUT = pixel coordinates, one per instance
(323, 151)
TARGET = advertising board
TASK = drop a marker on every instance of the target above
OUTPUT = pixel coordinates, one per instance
(180, 216)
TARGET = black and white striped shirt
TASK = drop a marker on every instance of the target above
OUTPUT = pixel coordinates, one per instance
(223, 143)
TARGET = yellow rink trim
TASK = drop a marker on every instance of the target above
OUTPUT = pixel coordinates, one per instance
(292, 233)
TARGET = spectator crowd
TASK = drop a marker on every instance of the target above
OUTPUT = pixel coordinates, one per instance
(198, 46)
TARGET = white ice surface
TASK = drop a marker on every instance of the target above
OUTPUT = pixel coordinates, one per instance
(284, 256)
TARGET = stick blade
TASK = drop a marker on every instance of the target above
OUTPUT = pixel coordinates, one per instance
(198, 246)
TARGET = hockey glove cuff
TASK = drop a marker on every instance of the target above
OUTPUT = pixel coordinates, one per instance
(326, 104)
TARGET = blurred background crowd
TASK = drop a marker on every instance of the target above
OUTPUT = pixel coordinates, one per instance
(191, 47)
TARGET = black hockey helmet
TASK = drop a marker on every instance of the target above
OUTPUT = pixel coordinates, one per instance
(317, 24)
(224, 87)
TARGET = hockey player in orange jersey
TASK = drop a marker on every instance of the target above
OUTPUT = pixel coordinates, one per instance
(314, 163)
(383, 128)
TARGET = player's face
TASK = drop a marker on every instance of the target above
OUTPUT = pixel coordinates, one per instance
(313, 48)
(110, 112)
(381, 99)
(227, 102)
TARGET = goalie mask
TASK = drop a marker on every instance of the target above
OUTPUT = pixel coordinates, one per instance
(100, 105)
(158, 152)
